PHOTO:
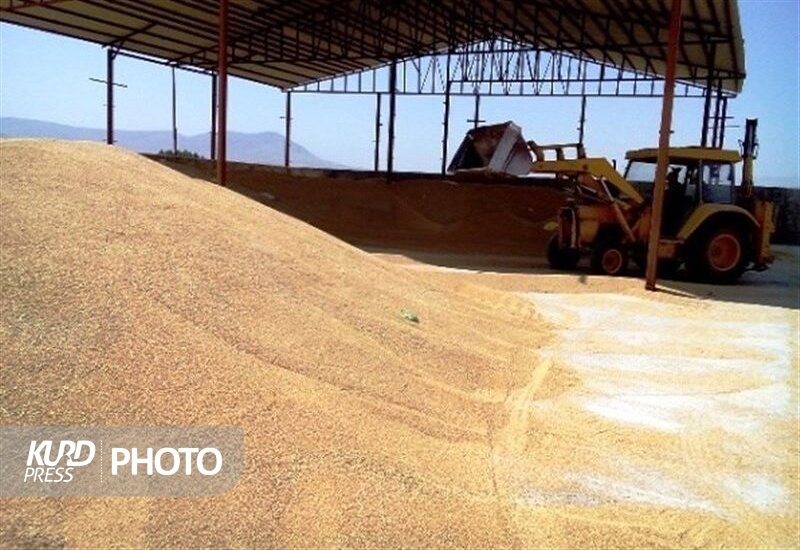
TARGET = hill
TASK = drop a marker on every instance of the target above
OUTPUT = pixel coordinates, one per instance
(261, 148)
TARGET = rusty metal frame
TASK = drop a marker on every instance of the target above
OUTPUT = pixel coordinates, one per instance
(651, 271)
(501, 67)
(19, 5)
(287, 44)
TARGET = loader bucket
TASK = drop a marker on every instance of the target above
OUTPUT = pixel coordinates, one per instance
(496, 149)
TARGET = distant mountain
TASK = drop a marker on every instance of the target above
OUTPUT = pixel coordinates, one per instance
(261, 148)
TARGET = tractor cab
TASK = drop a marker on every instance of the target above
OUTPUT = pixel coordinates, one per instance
(696, 175)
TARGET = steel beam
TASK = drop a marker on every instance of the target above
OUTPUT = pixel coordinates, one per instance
(446, 126)
(110, 55)
(707, 103)
(723, 122)
(174, 114)
(392, 113)
(29, 4)
(222, 108)
(509, 66)
(715, 129)
(582, 121)
(287, 147)
(476, 116)
(377, 160)
(213, 145)
(663, 144)
(706, 115)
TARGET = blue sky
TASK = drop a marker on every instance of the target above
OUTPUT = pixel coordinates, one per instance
(46, 77)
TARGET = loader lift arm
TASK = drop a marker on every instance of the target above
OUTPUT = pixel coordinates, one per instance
(598, 169)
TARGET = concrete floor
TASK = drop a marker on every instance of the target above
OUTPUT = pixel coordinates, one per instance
(778, 286)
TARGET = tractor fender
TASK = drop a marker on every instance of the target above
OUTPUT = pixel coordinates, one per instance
(705, 212)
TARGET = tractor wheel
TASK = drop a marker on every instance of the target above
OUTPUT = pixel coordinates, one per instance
(561, 258)
(718, 256)
(609, 258)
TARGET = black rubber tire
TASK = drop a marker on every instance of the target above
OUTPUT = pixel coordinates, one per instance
(561, 258)
(609, 258)
(717, 255)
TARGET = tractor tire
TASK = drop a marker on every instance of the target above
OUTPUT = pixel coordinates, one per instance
(561, 258)
(609, 258)
(718, 256)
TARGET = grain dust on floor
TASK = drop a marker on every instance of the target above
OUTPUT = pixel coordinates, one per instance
(681, 405)
(132, 295)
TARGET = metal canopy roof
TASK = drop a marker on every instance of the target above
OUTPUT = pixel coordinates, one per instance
(286, 43)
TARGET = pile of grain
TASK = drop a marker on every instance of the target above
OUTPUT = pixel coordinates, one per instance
(133, 295)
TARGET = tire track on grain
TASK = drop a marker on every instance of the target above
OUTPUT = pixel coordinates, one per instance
(510, 440)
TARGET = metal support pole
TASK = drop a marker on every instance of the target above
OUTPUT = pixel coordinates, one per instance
(213, 145)
(446, 124)
(222, 54)
(707, 104)
(110, 55)
(663, 144)
(392, 112)
(706, 115)
(287, 148)
(476, 119)
(377, 161)
(174, 114)
(582, 122)
(723, 121)
(717, 105)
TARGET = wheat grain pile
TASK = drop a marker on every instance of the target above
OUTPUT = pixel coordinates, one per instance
(132, 295)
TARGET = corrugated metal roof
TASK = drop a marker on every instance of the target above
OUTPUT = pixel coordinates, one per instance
(287, 43)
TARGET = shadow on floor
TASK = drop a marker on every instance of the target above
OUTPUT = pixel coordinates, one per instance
(779, 286)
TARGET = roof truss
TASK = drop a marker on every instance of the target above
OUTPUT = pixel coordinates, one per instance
(286, 43)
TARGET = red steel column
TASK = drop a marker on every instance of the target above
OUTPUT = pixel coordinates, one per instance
(222, 81)
(213, 145)
(174, 114)
(110, 55)
(663, 144)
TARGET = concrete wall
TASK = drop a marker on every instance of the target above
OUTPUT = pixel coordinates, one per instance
(424, 212)
(538, 203)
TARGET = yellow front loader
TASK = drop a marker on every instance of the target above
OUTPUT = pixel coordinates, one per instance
(714, 227)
